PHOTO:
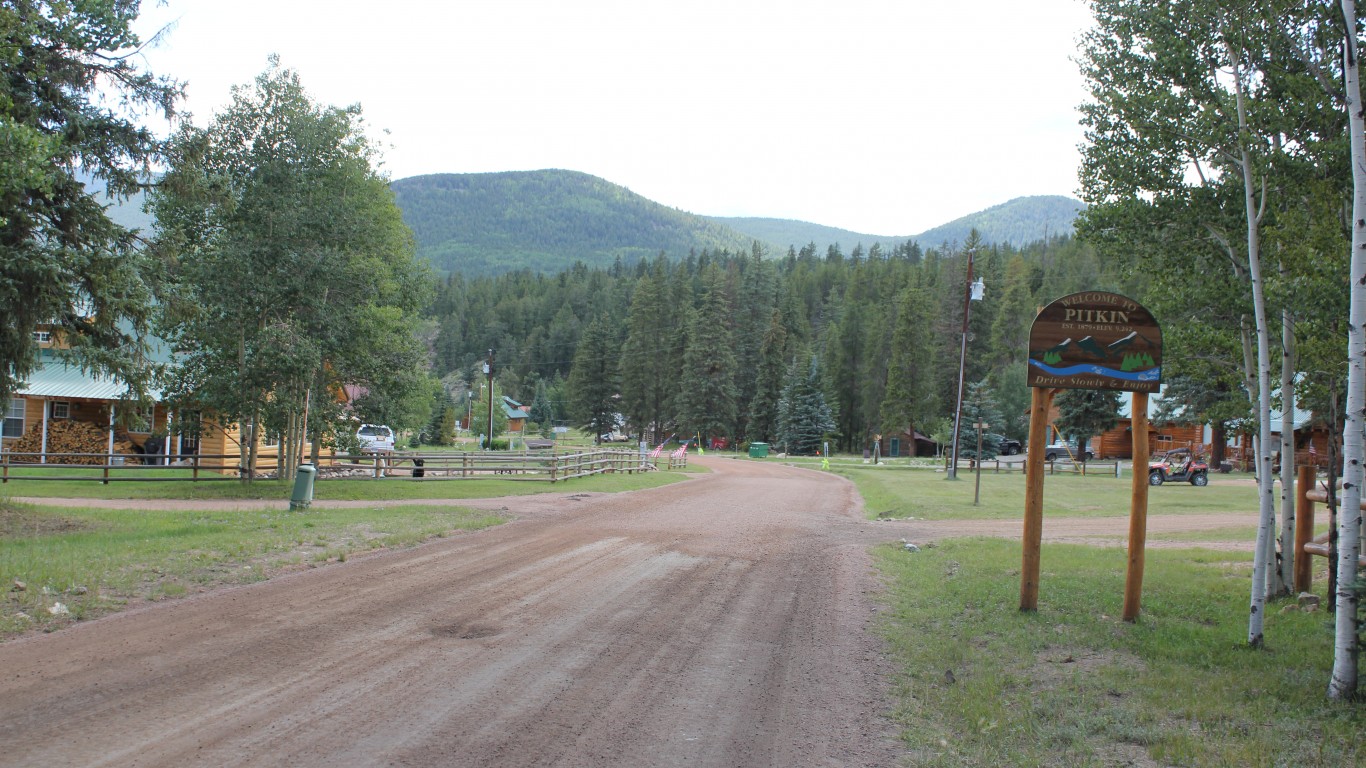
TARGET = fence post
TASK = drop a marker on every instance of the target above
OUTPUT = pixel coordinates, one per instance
(1304, 528)
(4, 467)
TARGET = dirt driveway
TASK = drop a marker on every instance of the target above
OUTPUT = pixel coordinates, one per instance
(723, 621)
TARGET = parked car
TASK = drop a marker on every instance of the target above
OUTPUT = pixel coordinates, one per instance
(1004, 445)
(1065, 450)
(375, 438)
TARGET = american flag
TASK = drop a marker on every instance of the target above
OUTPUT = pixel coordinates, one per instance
(681, 452)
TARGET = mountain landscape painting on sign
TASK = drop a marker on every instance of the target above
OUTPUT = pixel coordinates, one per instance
(1095, 340)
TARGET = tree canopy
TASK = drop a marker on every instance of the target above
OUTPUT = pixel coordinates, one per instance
(294, 272)
(62, 260)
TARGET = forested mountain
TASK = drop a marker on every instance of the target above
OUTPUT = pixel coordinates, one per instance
(778, 234)
(714, 343)
(1020, 221)
(488, 223)
(485, 223)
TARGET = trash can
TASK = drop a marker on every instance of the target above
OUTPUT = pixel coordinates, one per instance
(302, 498)
(758, 450)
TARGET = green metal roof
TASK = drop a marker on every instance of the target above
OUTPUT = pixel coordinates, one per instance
(56, 380)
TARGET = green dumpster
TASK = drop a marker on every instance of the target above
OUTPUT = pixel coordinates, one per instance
(758, 450)
(302, 497)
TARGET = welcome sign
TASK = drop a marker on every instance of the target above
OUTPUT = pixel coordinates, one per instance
(1095, 340)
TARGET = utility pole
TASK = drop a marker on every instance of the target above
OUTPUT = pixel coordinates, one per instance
(971, 293)
(488, 371)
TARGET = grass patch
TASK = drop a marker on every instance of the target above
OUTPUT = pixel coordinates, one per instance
(899, 492)
(94, 561)
(984, 684)
(146, 486)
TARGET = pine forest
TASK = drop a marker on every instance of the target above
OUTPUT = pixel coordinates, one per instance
(705, 345)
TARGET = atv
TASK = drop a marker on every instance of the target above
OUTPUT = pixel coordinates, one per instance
(1178, 466)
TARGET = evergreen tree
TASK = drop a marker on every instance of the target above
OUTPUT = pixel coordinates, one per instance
(707, 396)
(593, 381)
(542, 412)
(649, 356)
(69, 81)
(771, 372)
(804, 417)
(753, 312)
(909, 403)
(979, 405)
(440, 429)
(1085, 413)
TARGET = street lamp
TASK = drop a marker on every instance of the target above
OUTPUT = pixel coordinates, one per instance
(973, 291)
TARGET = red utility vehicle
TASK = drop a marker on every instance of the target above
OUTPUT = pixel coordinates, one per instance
(1178, 466)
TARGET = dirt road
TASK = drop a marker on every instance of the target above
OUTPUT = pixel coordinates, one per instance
(722, 621)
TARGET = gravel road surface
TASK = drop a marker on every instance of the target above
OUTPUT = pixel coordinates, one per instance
(722, 621)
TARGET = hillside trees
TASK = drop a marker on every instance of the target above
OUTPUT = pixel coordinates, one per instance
(770, 370)
(909, 402)
(855, 310)
(805, 418)
(294, 271)
(650, 354)
(1200, 115)
(62, 260)
(708, 398)
(593, 382)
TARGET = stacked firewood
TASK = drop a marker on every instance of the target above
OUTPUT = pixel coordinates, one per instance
(70, 436)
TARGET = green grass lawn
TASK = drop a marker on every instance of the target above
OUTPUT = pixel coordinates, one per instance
(900, 492)
(95, 561)
(983, 684)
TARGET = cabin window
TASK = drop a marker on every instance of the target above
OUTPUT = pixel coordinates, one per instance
(42, 337)
(140, 420)
(60, 410)
(14, 418)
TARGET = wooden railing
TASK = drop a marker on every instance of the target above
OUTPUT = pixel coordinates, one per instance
(515, 465)
(1108, 468)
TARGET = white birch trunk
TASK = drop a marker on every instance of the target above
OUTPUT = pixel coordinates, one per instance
(1265, 481)
(1280, 585)
(1343, 684)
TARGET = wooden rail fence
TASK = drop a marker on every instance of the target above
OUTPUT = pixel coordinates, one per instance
(515, 465)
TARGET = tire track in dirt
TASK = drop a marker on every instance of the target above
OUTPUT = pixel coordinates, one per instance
(721, 621)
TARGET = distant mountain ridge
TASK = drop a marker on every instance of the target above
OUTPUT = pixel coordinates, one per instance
(489, 223)
(481, 223)
(1019, 221)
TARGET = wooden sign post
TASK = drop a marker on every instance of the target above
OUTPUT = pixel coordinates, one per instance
(1090, 340)
(1138, 509)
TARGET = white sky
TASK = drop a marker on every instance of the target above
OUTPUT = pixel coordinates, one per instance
(885, 117)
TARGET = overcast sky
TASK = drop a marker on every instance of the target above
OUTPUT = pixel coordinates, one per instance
(885, 117)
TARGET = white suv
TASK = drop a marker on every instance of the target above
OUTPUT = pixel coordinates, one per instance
(375, 438)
